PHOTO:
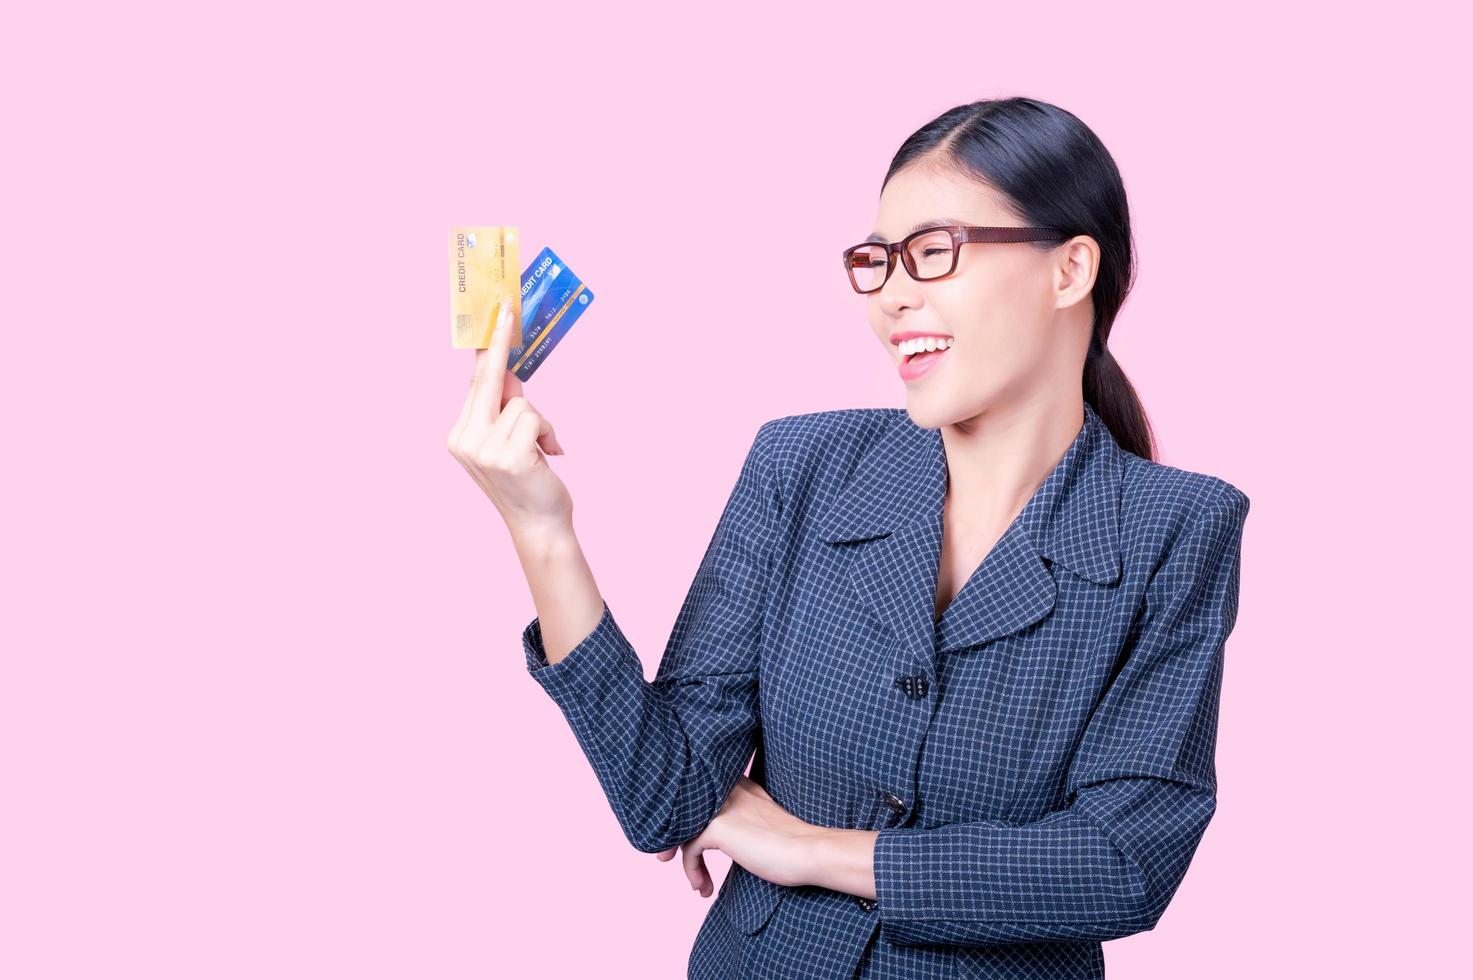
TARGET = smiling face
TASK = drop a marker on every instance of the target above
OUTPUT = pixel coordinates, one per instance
(1018, 318)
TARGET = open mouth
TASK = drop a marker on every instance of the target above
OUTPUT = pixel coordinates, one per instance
(919, 363)
(916, 347)
(921, 357)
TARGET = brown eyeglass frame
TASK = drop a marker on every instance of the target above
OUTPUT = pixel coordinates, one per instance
(960, 235)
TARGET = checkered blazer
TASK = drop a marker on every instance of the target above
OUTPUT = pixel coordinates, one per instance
(1038, 763)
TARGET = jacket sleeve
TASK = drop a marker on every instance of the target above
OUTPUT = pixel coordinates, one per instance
(667, 752)
(1141, 786)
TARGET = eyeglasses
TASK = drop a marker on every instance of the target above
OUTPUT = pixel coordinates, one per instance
(930, 253)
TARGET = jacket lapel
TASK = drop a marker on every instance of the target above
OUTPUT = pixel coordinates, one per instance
(890, 509)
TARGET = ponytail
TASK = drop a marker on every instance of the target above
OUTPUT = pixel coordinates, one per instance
(1110, 393)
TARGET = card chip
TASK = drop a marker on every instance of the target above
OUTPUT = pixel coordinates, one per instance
(464, 324)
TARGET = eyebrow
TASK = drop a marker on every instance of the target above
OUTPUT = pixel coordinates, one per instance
(877, 238)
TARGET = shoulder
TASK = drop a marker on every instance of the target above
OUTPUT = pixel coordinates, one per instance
(810, 455)
(1160, 503)
(839, 432)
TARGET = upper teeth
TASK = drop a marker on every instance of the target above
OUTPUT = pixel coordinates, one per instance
(917, 344)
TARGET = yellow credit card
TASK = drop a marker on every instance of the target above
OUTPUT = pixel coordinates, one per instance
(485, 272)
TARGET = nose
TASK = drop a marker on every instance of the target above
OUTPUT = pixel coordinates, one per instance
(899, 292)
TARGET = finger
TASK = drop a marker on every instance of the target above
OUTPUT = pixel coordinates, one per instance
(548, 440)
(531, 426)
(508, 334)
(521, 438)
(511, 386)
(502, 428)
(688, 857)
(694, 862)
(667, 855)
(706, 885)
(476, 393)
(488, 380)
(468, 404)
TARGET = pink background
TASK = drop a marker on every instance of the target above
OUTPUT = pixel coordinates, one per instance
(264, 710)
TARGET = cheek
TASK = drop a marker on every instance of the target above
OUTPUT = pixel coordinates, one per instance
(996, 329)
(879, 323)
(980, 316)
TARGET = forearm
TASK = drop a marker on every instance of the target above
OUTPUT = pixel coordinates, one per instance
(1102, 868)
(567, 599)
(666, 752)
(665, 755)
(843, 860)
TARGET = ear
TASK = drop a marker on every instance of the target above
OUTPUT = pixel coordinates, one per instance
(1077, 265)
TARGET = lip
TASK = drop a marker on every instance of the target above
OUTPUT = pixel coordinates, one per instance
(911, 372)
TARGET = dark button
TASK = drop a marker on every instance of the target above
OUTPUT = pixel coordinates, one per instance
(914, 685)
(868, 904)
(892, 801)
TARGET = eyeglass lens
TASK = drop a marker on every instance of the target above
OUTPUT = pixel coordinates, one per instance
(930, 257)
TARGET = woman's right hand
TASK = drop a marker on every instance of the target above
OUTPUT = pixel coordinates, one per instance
(499, 439)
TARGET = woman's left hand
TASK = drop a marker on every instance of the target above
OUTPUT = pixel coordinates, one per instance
(755, 832)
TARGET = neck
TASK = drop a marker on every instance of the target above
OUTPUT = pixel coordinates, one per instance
(997, 460)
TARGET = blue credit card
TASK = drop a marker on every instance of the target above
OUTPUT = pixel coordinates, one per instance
(553, 299)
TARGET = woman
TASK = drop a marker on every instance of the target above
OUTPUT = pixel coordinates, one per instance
(976, 644)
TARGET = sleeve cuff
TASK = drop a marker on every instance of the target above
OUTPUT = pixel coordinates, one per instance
(921, 887)
(585, 669)
(891, 858)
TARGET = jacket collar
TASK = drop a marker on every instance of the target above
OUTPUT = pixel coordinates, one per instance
(892, 504)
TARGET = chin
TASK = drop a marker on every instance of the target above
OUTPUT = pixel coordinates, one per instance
(926, 415)
(933, 411)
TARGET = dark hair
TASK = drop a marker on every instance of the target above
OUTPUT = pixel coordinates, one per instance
(1055, 173)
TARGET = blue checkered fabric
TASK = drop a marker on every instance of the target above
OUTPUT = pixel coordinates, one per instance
(1038, 762)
